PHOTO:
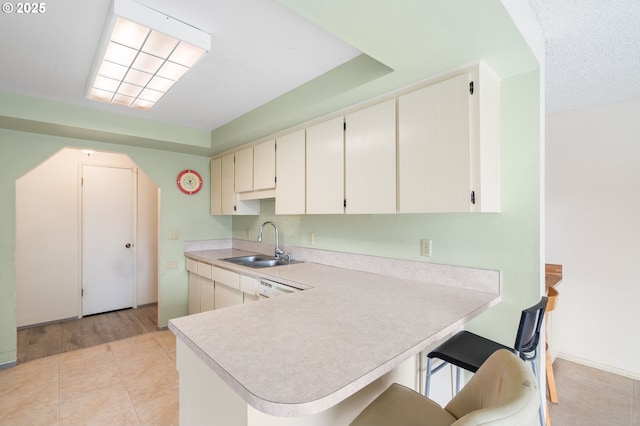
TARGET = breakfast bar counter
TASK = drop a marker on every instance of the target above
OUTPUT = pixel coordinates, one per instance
(301, 354)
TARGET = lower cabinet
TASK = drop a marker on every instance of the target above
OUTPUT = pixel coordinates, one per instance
(227, 296)
(211, 287)
(207, 295)
(249, 287)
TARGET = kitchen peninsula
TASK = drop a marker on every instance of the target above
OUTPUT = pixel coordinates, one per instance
(320, 355)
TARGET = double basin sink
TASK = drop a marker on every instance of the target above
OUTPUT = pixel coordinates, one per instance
(259, 261)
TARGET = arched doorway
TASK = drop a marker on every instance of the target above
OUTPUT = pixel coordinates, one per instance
(49, 236)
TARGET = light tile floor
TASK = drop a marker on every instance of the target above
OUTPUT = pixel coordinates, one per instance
(134, 382)
(127, 382)
(591, 397)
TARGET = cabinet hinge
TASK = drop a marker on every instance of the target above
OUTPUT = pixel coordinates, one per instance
(82, 292)
(344, 126)
(235, 208)
(275, 179)
(345, 203)
(275, 146)
(473, 197)
(471, 87)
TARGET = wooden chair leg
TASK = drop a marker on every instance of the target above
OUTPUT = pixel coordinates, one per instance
(548, 420)
(551, 380)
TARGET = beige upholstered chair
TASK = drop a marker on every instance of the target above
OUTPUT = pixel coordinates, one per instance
(503, 392)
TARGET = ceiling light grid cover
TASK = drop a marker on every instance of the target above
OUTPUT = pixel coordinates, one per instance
(142, 54)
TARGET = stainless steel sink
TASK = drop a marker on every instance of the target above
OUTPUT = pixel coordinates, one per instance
(259, 261)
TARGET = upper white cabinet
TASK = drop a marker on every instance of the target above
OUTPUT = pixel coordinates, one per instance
(435, 148)
(264, 165)
(224, 199)
(228, 193)
(216, 186)
(325, 167)
(290, 166)
(448, 145)
(370, 159)
(243, 172)
(255, 167)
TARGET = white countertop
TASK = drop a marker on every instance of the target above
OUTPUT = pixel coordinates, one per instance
(302, 353)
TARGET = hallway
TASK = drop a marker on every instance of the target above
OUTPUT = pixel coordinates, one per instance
(52, 339)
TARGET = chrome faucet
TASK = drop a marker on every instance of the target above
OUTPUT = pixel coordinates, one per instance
(279, 252)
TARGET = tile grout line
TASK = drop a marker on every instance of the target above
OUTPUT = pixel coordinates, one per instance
(124, 382)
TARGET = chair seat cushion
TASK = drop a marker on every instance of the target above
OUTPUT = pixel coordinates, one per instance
(467, 350)
(401, 406)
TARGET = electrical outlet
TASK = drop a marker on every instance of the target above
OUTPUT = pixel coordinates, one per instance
(174, 234)
(172, 264)
(310, 238)
(425, 248)
(248, 233)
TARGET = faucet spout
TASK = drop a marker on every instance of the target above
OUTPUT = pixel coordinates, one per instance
(279, 252)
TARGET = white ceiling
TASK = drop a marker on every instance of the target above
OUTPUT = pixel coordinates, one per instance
(261, 50)
(592, 51)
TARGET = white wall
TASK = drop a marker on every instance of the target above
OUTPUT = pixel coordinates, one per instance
(48, 240)
(147, 240)
(593, 230)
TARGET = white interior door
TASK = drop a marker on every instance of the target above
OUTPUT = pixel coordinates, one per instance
(107, 238)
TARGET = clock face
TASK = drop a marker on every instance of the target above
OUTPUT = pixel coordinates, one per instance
(189, 181)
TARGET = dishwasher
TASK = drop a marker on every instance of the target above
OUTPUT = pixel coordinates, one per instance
(269, 288)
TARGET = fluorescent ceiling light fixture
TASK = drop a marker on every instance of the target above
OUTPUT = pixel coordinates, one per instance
(142, 54)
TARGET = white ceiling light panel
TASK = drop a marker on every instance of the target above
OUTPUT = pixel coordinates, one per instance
(142, 55)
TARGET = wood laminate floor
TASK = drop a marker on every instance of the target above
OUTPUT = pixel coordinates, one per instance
(52, 339)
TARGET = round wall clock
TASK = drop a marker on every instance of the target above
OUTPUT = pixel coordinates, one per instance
(189, 181)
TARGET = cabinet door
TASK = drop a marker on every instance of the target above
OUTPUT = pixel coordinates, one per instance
(227, 190)
(264, 165)
(249, 285)
(325, 167)
(418, 174)
(454, 144)
(433, 148)
(227, 296)
(216, 186)
(206, 294)
(290, 164)
(243, 171)
(194, 293)
(370, 159)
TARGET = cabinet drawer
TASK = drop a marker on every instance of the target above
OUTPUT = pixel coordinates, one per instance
(192, 265)
(249, 285)
(228, 278)
(204, 269)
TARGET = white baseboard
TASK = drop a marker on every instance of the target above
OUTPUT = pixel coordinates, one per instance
(599, 366)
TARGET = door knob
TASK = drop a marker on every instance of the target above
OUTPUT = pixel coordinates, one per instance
(128, 245)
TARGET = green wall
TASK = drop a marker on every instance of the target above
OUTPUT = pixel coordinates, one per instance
(21, 151)
(508, 241)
